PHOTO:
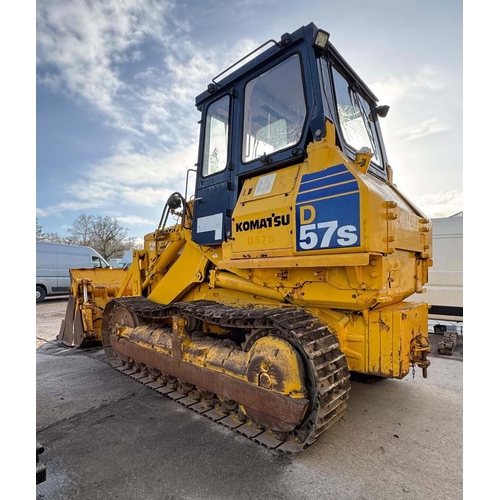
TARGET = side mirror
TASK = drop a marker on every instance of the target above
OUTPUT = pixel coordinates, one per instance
(382, 111)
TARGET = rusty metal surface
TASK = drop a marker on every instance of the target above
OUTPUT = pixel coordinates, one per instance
(419, 350)
(325, 366)
(448, 344)
(286, 412)
(66, 331)
(71, 332)
(78, 333)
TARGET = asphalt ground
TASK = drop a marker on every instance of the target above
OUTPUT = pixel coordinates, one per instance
(106, 436)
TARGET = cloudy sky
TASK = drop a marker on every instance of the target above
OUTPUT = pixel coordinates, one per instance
(116, 124)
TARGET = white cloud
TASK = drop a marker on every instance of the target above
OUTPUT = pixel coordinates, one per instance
(170, 93)
(396, 88)
(81, 45)
(428, 127)
(42, 212)
(77, 205)
(133, 220)
(83, 49)
(128, 179)
(441, 204)
(86, 50)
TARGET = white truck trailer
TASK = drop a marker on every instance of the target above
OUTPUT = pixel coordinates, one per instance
(445, 287)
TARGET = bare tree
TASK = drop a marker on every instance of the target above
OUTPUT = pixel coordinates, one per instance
(82, 232)
(110, 239)
(40, 235)
(50, 237)
(55, 238)
(103, 234)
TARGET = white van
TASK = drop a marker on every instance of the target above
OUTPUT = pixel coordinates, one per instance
(126, 260)
(53, 262)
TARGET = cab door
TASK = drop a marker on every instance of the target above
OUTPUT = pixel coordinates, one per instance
(212, 212)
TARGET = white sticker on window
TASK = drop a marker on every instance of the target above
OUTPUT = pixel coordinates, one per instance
(210, 223)
(265, 185)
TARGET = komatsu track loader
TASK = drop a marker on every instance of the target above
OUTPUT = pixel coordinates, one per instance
(287, 271)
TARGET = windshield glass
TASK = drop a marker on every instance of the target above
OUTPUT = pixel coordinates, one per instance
(355, 118)
(275, 110)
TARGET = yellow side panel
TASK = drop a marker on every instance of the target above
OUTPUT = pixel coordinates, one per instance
(391, 330)
(263, 219)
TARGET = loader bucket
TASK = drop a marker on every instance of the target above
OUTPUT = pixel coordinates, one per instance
(90, 291)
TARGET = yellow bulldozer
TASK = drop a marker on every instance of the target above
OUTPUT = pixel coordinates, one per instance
(258, 298)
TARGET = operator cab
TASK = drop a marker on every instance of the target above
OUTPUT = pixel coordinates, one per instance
(262, 116)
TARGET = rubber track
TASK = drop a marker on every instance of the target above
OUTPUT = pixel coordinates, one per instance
(319, 348)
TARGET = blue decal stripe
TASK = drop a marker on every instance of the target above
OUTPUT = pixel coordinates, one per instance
(346, 188)
(332, 180)
(324, 173)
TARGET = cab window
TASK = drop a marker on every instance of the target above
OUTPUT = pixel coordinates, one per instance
(275, 110)
(216, 137)
(355, 118)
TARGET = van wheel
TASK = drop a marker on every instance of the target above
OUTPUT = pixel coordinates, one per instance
(40, 294)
